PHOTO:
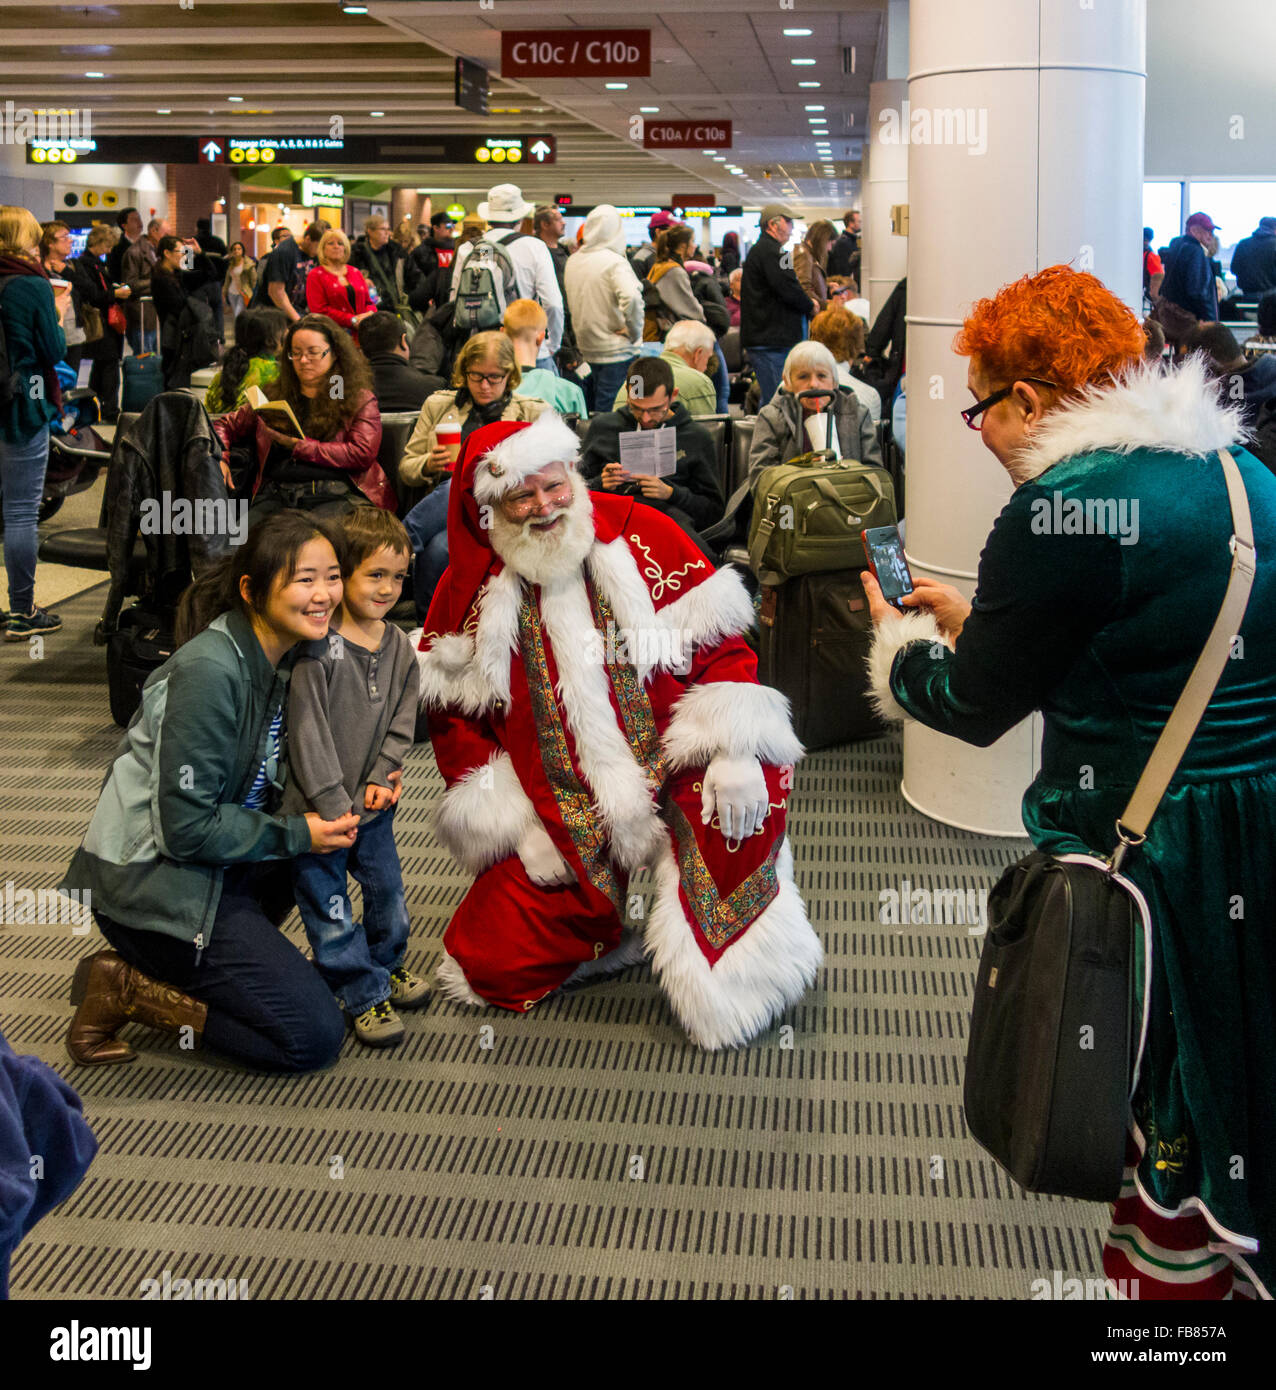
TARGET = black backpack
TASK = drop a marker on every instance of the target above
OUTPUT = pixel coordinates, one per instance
(11, 380)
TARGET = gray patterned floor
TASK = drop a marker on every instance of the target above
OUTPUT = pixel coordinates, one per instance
(589, 1151)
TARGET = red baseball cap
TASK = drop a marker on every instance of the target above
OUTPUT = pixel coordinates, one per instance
(1201, 219)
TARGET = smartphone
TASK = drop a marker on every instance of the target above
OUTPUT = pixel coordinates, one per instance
(884, 550)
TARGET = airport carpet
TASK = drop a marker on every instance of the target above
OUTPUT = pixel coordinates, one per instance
(584, 1150)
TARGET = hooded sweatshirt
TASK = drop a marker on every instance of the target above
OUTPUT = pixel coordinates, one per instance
(603, 293)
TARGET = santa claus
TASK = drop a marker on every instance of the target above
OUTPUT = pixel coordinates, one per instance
(594, 709)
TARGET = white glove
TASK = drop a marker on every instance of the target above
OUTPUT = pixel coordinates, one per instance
(545, 866)
(739, 790)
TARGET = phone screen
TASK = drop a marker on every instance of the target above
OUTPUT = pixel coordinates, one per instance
(886, 551)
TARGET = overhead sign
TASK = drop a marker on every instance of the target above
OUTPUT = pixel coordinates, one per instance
(563, 200)
(576, 53)
(693, 200)
(117, 149)
(471, 87)
(307, 192)
(536, 149)
(384, 147)
(686, 135)
(456, 211)
(720, 210)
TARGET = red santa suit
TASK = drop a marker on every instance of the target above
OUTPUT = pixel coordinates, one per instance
(592, 705)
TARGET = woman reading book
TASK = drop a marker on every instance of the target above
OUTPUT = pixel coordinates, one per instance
(331, 465)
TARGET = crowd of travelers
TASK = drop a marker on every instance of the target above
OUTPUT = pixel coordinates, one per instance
(496, 328)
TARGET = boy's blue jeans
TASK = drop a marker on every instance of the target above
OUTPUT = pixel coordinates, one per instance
(355, 959)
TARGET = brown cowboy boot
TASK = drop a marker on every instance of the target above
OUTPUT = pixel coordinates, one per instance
(108, 993)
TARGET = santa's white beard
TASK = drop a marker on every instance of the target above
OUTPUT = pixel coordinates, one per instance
(541, 556)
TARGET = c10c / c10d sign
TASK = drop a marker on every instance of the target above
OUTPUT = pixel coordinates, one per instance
(576, 53)
(686, 135)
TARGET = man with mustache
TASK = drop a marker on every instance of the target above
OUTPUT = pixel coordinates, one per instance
(594, 709)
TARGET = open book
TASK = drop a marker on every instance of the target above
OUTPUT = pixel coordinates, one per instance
(277, 414)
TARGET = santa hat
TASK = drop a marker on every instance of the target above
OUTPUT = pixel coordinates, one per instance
(522, 452)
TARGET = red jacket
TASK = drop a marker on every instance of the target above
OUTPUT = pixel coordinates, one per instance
(325, 294)
(352, 450)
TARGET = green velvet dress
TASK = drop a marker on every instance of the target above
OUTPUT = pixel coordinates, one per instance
(1100, 631)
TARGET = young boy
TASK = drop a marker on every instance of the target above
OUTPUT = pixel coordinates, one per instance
(351, 718)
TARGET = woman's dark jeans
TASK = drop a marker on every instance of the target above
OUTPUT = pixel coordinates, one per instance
(268, 1007)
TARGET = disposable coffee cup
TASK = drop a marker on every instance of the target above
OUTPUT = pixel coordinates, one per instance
(817, 430)
(448, 436)
(59, 284)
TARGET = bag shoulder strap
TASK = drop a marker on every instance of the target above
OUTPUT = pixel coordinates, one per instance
(1188, 710)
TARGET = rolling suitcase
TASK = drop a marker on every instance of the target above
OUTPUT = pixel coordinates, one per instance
(814, 635)
(143, 376)
(141, 643)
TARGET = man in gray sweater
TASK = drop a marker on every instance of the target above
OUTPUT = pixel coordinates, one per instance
(351, 718)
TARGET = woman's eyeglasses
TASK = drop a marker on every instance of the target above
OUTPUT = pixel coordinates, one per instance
(491, 378)
(972, 413)
(309, 355)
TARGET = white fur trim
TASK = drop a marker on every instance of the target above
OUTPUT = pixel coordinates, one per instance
(471, 672)
(482, 817)
(621, 792)
(548, 439)
(715, 609)
(631, 951)
(664, 638)
(496, 636)
(888, 639)
(1179, 411)
(452, 984)
(754, 980)
(731, 717)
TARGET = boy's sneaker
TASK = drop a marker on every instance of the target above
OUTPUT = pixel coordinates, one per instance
(379, 1026)
(407, 990)
(20, 626)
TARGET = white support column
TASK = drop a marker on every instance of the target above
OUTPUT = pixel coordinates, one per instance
(1025, 131)
(885, 259)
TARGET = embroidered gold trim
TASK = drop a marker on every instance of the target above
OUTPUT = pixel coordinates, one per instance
(575, 804)
(663, 581)
(631, 698)
(721, 919)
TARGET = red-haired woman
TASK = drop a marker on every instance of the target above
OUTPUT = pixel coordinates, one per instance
(1099, 631)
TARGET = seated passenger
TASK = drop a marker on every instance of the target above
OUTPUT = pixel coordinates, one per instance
(396, 384)
(525, 324)
(1240, 381)
(483, 382)
(186, 856)
(843, 334)
(690, 350)
(335, 288)
(779, 435)
(324, 378)
(253, 361)
(691, 495)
